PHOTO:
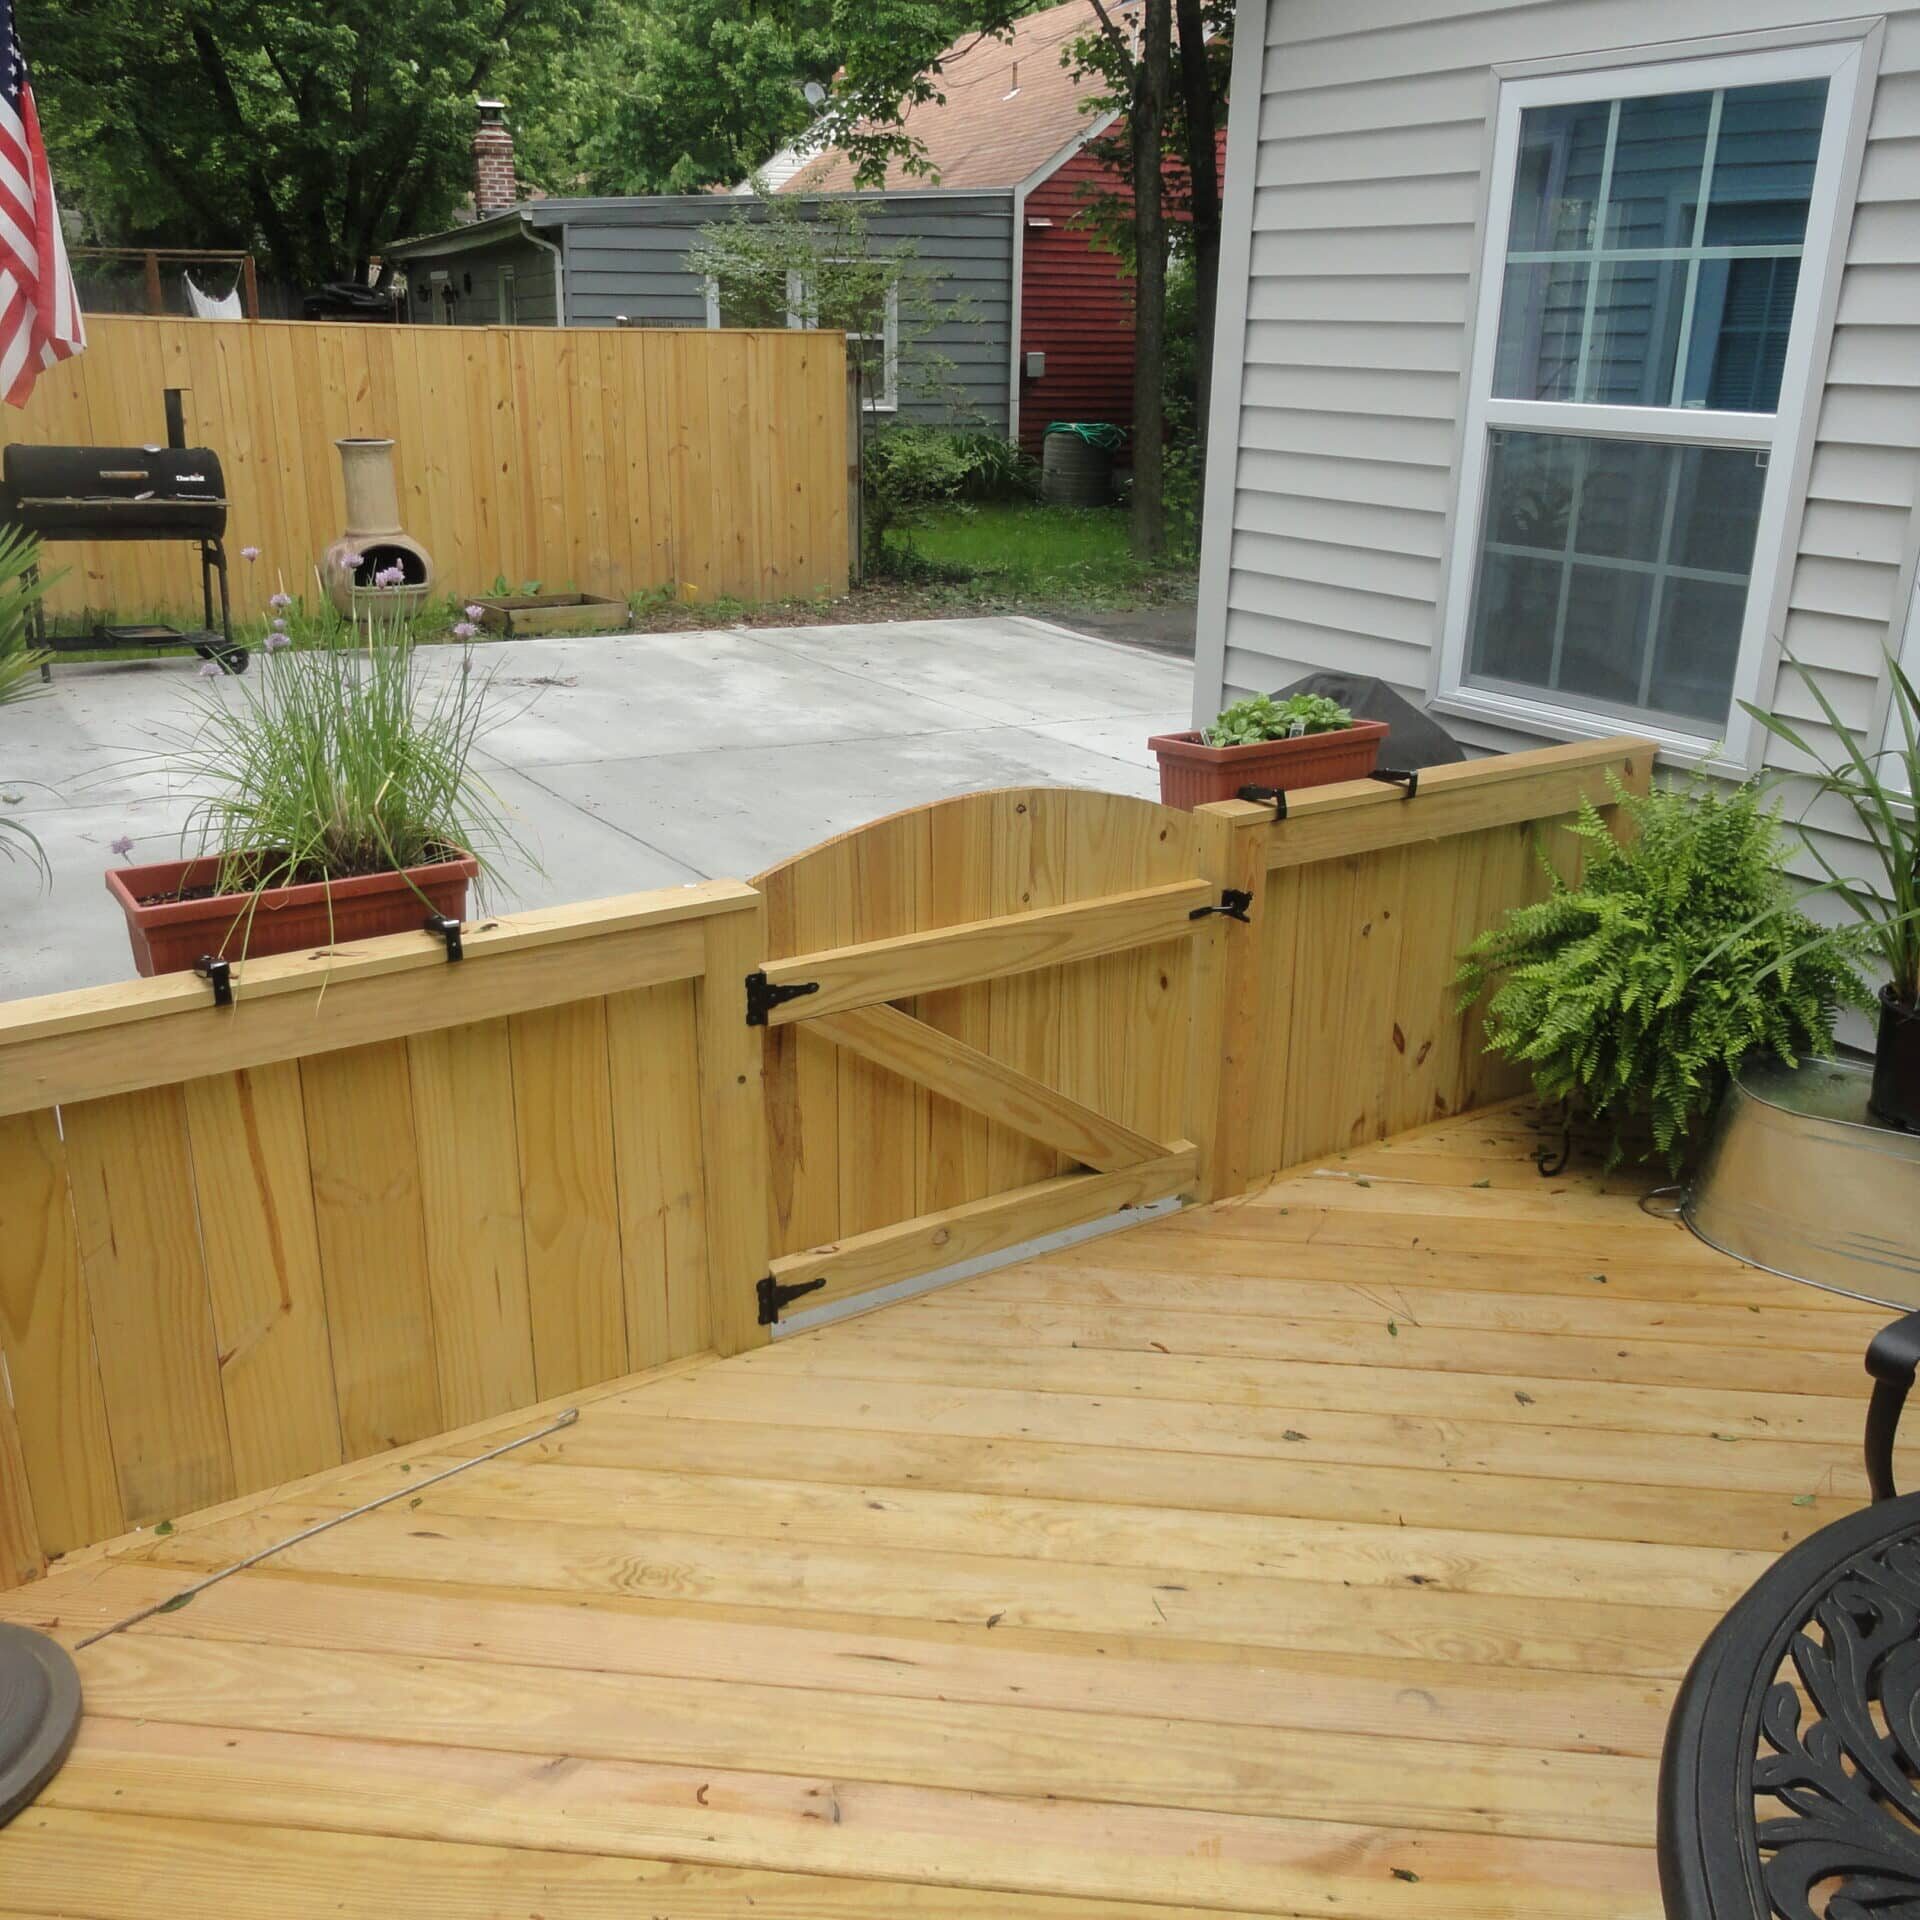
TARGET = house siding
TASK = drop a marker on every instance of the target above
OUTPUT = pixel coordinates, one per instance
(532, 273)
(632, 260)
(1372, 143)
(1076, 307)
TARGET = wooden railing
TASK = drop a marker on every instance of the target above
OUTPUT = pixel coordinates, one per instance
(383, 1195)
(599, 461)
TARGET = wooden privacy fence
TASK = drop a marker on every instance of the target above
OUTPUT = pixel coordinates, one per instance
(613, 462)
(382, 1195)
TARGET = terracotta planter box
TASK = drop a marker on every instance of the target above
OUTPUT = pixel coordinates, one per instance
(1193, 773)
(170, 933)
(520, 616)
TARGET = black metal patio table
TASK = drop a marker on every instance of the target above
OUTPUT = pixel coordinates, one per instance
(1790, 1783)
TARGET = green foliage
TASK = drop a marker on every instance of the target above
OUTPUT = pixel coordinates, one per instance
(19, 665)
(1881, 797)
(669, 96)
(996, 468)
(1261, 717)
(1638, 991)
(316, 134)
(907, 472)
(339, 757)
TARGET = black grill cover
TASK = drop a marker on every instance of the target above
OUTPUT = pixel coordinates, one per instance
(1414, 739)
(114, 493)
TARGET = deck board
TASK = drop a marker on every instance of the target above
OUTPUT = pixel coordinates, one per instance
(1336, 1551)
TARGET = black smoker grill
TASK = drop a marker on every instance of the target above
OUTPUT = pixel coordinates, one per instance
(175, 492)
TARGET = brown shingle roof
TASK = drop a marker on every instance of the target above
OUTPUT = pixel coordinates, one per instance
(987, 133)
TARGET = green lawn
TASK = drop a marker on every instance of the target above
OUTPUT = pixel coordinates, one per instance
(1057, 554)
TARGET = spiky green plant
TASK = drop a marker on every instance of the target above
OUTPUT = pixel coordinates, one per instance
(1634, 992)
(338, 758)
(21, 590)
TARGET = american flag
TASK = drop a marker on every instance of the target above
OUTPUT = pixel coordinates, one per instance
(40, 321)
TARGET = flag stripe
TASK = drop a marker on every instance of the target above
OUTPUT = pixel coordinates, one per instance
(40, 320)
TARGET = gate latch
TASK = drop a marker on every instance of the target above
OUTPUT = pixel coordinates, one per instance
(763, 996)
(1233, 905)
(774, 1298)
(218, 974)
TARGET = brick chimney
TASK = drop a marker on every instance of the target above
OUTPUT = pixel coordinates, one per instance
(494, 187)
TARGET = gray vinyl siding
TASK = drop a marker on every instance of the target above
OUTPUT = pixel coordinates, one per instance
(1373, 137)
(630, 258)
(532, 267)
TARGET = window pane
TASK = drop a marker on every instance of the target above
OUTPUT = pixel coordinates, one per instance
(753, 306)
(1541, 317)
(1556, 187)
(1659, 155)
(1613, 573)
(1638, 311)
(1742, 317)
(1763, 165)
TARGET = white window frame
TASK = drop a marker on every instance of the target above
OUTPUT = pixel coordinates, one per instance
(889, 396)
(1892, 739)
(793, 302)
(506, 297)
(1780, 435)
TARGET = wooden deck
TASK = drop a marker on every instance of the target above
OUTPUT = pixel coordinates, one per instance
(1334, 1552)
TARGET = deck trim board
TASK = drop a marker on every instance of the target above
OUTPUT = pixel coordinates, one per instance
(1336, 1551)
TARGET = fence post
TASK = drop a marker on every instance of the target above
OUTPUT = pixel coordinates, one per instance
(21, 1559)
(856, 488)
(1232, 1024)
(733, 1128)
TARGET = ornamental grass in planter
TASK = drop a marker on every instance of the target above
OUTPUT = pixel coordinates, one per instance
(1881, 789)
(1305, 741)
(335, 798)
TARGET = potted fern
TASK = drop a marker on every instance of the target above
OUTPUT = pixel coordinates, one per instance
(335, 799)
(1634, 992)
(1306, 740)
(1881, 790)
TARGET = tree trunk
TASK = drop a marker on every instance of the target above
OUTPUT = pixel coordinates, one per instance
(1201, 115)
(1146, 136)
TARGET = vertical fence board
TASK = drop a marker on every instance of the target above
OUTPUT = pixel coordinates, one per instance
(367, 1207)
(568, 1194)
(1026, 1024)
(463, 1115)
(248, 1133)
(653, 1062)
(46, 1334)
(959, 886)
(21, 1556)
(139, 1237)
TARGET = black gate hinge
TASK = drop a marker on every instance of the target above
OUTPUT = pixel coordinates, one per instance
(763, 996)
(218, 974)
(1233, 905)
(774, 1298)
(1408, 777)
(1274, 797)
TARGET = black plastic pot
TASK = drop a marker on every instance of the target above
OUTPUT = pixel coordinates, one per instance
(1896, 1064)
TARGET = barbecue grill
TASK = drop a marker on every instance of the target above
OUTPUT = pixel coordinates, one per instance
(175, 492)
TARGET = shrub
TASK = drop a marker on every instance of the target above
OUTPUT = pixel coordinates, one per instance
(1261, 717)
(907, 471)
(1637, 991)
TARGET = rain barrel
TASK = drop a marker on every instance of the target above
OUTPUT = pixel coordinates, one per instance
(1076, 463)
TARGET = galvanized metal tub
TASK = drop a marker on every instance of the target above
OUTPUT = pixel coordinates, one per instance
(1797, 1179)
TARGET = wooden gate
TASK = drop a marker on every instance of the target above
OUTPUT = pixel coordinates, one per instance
(978, 1018)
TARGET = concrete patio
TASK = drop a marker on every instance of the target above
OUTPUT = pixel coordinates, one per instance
(629, 762)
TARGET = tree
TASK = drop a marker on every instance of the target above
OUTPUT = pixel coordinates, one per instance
(670, 96)
(313, 135)
(895, 53)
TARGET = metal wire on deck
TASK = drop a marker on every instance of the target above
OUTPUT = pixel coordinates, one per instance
(415, 1487)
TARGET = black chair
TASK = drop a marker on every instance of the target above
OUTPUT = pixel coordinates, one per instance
(1774, 1796)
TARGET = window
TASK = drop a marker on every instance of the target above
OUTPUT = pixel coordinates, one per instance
(873, 343)
(1656, 246)
(509, 298)
(755, 307)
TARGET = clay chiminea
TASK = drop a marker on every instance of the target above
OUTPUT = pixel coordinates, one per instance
(373, 542)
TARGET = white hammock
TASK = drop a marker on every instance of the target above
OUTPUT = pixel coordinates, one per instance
(205, 307)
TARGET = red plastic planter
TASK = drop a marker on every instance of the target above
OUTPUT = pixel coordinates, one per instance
(1193, 773)
(171, 934)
